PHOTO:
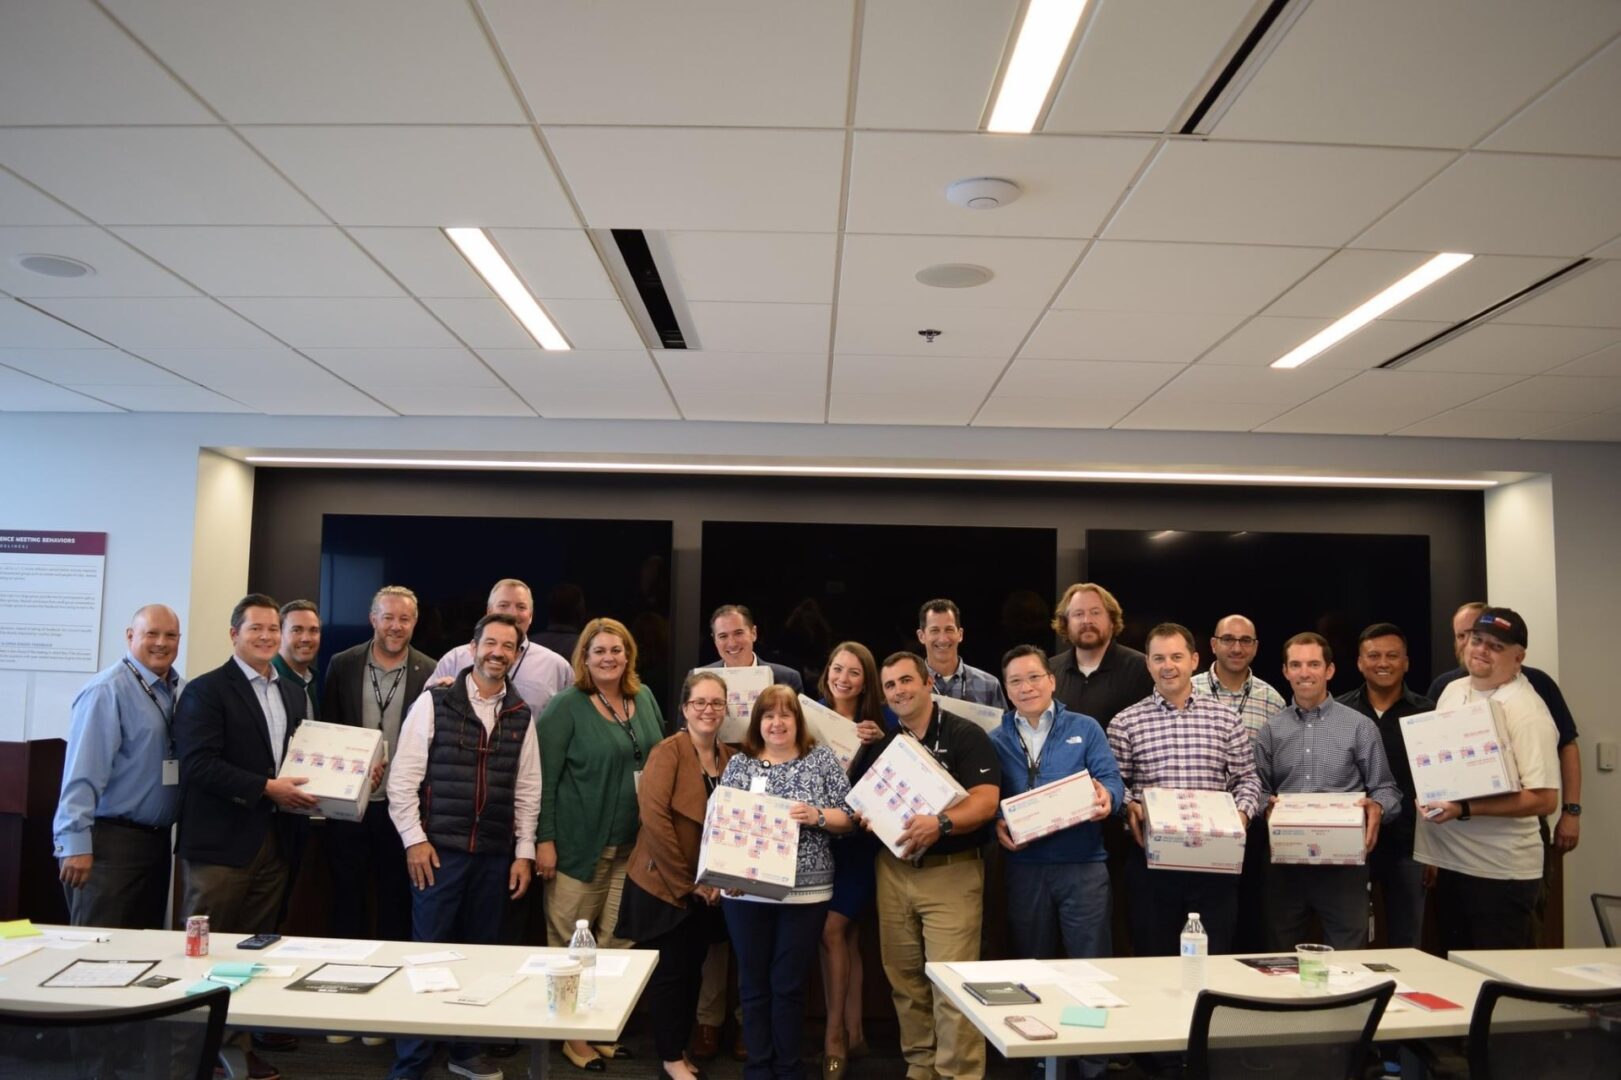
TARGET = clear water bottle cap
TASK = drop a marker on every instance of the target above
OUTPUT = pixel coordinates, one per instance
(1193, 916)
(582, 924)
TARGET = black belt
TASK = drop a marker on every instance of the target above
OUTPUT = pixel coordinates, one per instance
(125, 823)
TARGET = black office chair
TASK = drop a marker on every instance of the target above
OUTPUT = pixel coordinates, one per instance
(1309, 1038)
(1608, 910)
(171, 1040)
(1528, 1033)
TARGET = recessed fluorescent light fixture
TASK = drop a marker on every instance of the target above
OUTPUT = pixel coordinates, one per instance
(493, 267)
(1405, 289)
(1043, 42)
(920, 472)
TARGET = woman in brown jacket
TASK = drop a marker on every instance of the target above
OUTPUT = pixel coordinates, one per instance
(663, 908)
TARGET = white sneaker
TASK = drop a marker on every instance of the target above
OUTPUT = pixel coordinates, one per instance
(374, 1040)
(339, 1040)
(479, 1068)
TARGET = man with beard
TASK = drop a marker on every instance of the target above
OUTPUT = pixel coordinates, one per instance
(1097, 676)
(300, 645)
(469, 751)
(538, 673)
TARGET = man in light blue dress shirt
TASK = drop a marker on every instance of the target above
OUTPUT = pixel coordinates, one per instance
(121, 783)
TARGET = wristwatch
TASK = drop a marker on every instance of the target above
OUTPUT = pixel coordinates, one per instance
(1463, 809)
(821, 819)
(945, 824)
(1574, 809)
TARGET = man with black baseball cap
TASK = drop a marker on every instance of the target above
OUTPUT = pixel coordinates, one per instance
(1487, 853)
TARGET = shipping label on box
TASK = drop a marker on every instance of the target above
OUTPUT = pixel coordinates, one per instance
(1045, 810)
(750, 844)
(831, 730)
(988, 717)
(337, 759)
(904, 782)
(1461, 753)
(743, 685)
(1320, 829)
(1193, 830)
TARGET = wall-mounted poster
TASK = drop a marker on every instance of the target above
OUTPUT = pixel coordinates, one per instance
(50, 599)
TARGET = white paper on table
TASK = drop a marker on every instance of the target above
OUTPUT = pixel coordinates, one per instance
(1604, 974)
(1091, 994)
(351, 974)
(443, 956)
(86, 936)
(612, 967)
(1029, 972)
(428, 980)
(535, 963)
(16, 950)
(63, 944)
(1078, 971)
(85, 974)
(276, 971)
(315, 948)
(485, 990)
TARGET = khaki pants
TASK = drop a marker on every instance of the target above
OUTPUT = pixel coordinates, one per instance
(596, 901)
(236, 899)
(931, 914)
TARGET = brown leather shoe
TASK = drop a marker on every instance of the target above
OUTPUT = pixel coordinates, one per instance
(740, 1049)
(705, 1042)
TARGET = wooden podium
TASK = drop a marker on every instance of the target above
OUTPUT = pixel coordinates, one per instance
(30, 782)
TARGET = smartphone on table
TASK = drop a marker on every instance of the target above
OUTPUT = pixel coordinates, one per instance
(1031, 1028)
(258, 941)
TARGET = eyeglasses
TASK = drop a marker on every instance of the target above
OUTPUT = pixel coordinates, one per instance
(1227, 641)
(707, 704)
(1019, 682)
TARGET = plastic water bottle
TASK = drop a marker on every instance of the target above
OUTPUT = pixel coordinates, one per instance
(1195, 947)
(583, 947)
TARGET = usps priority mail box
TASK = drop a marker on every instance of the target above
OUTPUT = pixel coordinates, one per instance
(904, 782)
(1049, 808)
(750, 844)
(1320, 829)
(338, 760)
(1193, 830)
(1462, 753)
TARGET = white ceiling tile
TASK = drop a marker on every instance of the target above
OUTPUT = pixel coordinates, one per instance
(883, 269)
(1379, 402)
(184, 322)
(921, 408)
(1576, 117)
(1591, 298)
(943, 85)
(223, 368)
(21, 204)
(118, 270)
(1257, 193)
(743, 328)
(892, 330)
(86, 367)
(1140, 61)
(155, 175)
(1611, 250)
(692, 374)
(1525, 350)
(1162, 414)
(556, 263)
(961, 380)
(1262, 340)
(368, 368)
(24, 393)
(64, 62)
(332, 398)
(1508, 204)
(361, 61)
(757, 407)
(1605, 427)
(1440, 73)
(1351, 277)
(784, 268)
(424, 260)
(1135, 336)
(1214, 278)
(1100, 380)
(694, 178)
(1470, 423)
(410, 175)
(453, 401)
(1605, 363)
(898, 182)
(1024, 411)
(748, 62)
(1555, 393)
(169, 399)
(583, 384)
(264, 260)
(356, 323)
(1212, 385)
(21, 327)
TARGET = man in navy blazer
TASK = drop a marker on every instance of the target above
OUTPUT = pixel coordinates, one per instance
(231, 730)
(732, 626)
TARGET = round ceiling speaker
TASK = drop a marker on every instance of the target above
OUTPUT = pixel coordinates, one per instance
(954, 275)
(57, 266)
(982, 193)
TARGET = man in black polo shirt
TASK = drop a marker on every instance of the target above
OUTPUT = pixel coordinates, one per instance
(1383, 697)
(1097, 676)
(931, 905)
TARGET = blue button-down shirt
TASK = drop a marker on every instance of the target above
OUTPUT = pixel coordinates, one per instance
(968, 683)
(117, 743)
(274, 708)
(1330, 747)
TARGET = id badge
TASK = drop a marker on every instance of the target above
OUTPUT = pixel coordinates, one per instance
(636, 779)
(757, 785)
(171, 772)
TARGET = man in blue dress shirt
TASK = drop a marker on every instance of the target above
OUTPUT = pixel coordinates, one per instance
(121, 783)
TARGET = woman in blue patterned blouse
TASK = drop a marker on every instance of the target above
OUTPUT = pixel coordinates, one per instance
(776, 940)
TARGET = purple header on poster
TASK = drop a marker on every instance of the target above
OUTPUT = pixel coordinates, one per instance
(35, 542)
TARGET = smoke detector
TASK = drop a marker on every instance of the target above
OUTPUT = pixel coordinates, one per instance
(954, 275)
(982, 193)
(56, 266)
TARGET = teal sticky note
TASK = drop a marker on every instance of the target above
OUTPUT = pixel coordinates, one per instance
(243, 970)
(1084, 1016)
(205, 985)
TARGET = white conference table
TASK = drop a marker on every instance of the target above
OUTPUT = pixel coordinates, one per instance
(1157, 1013)
(389, 1009)
(1536, 967)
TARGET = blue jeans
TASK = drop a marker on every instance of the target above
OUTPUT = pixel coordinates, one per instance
(1060, 911)
(776, 948)
(463, 904)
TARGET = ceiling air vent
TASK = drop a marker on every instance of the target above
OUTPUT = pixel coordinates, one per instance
(639, 262)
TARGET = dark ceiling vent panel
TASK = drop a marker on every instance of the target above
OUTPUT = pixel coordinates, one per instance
(633, 259)
(1242, 64)
(1492, 311)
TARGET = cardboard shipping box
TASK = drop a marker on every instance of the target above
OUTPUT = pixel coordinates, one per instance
(904, 782)
(988, 717)
(831, 730)
(1193, 830)
(750, 844)
(1045, 810)
(1320, 829)
(743, 685)
(338, 760)
(1462, 753)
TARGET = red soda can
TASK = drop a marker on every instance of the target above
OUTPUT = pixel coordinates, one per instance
(197, 935)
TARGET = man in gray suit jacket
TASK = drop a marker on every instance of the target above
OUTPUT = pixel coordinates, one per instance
(373, 685)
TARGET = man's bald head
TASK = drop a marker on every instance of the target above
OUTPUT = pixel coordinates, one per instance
(154, 637)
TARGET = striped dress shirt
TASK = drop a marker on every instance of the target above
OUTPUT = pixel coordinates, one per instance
(1202, 746)
(1329, 748)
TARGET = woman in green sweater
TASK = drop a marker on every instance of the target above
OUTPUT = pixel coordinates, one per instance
(594, 738)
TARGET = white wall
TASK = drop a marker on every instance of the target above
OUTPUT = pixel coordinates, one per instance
(221, 538)
(1521, 561)
(136, 477)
